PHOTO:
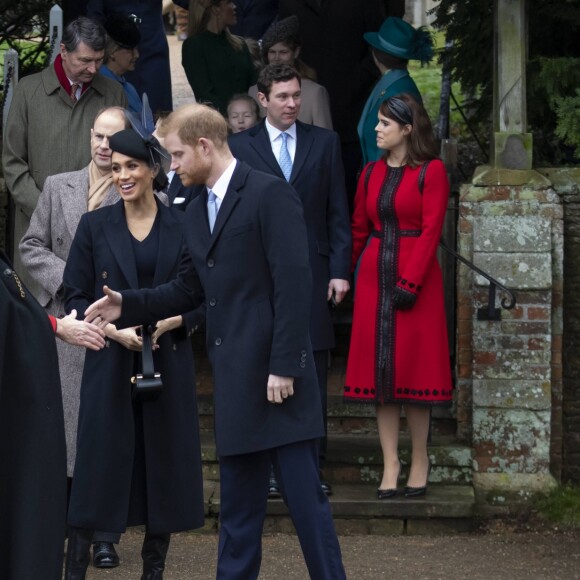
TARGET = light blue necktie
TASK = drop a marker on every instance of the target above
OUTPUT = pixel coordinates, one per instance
(285, 160)
(212, 209)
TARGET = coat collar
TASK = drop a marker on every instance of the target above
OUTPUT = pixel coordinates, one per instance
(198, 209)
(119, 240)
(260, 142)
(75, 202)
(52, 84)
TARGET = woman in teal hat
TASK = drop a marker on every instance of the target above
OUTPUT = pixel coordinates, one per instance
(393, 46)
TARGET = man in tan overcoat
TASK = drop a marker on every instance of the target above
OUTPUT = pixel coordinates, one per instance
(50, 118)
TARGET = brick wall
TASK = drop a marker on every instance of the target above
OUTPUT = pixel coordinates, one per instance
(566, 415)
(509, 372)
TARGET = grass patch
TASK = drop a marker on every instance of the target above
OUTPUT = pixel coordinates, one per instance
(561, 506)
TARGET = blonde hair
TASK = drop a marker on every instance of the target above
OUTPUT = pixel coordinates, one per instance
(194, 121)
(199, 17)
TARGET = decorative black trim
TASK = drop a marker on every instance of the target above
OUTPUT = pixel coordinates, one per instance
(387, 269)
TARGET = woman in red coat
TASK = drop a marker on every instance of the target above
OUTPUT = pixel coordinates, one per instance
(398, 352)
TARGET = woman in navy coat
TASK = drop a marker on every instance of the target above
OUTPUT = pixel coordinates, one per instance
(152, 74)
(138, 461)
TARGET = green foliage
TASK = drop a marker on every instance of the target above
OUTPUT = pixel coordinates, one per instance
(568, 128)
(553, 29)
(561, 506)
(24, 27)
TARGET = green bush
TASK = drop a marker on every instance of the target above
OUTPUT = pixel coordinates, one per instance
(561, 506)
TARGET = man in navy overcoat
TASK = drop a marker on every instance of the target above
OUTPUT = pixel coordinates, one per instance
(252, 266)
(318, 178)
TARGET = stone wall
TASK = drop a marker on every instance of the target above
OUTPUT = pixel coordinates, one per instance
(567, 184)
(509, 371)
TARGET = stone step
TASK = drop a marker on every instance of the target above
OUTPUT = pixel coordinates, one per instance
(357, 459)
(356, 510)
(343, 418)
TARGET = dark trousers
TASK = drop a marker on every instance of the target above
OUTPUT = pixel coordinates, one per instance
(243, 501)
(321, 364)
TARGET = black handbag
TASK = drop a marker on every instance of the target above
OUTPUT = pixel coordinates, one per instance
(148, 384)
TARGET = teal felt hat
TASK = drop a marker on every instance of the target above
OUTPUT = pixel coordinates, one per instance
(398, 38)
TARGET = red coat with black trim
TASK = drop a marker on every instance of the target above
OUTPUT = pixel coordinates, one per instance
(399, 356)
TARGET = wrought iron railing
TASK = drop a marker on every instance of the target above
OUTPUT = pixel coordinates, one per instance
(489, 312)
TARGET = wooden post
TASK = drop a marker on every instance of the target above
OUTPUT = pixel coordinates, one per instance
(55, 31)
(10, 81)
(512, 143)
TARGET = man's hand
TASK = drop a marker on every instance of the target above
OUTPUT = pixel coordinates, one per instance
(105, 310)
(338, 288)
(79, 332)
(280, 388)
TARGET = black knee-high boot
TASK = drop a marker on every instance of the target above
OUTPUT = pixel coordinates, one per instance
(77, 553)
(154, 551)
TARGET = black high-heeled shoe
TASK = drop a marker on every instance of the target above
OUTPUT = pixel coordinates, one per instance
(392, 492)
(414, 492)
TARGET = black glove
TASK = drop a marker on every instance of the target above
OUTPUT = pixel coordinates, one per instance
(403, 299)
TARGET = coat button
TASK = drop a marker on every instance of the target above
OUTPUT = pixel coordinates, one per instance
(59, 241)
(213, 302)
(303, 352)
(218, 341)
(210, 263)
(302, 365)
(104, 275)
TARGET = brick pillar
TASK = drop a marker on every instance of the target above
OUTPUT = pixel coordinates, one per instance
(508, 370)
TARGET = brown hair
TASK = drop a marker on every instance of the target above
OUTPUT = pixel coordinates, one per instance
(422, 145)
(248, 99)
(389, 61)
(293, 42)
(199, 17)
(275, 73)
(194, 121)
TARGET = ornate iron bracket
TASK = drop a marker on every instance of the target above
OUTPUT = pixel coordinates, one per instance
(490, 312)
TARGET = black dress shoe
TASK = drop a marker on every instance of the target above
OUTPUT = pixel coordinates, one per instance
(104, 555)
(386, 493)
(391, 492)
(414, 492)
(326, 488)
(273, 489)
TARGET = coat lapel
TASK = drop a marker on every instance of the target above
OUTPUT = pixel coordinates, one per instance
(119, 240)
(304, 142)
(75, 199)
(170, 246)
(260, 142)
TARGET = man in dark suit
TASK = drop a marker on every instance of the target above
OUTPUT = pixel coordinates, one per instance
(317, 176)
(252, 263)
(178, 195)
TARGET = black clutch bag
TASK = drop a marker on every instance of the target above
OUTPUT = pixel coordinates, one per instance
(148, 384)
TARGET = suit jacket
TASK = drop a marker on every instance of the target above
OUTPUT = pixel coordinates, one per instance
(106, 457)
(177, 191)
(44, 250)
(314, 106)
(318, 178)
(255, 275)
